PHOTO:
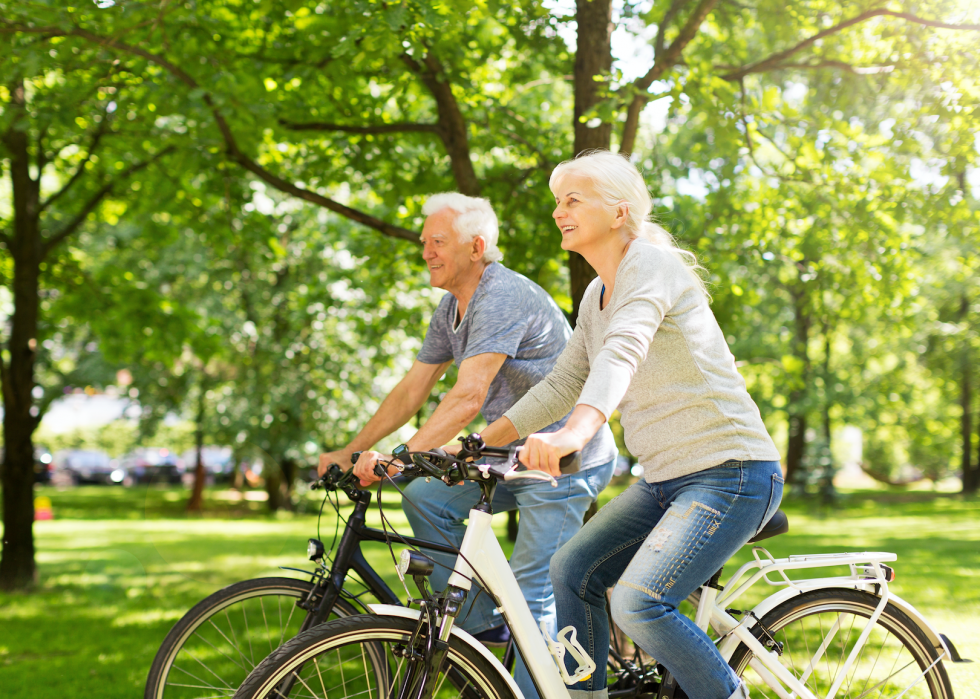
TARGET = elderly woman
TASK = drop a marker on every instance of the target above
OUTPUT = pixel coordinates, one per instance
(648, 344)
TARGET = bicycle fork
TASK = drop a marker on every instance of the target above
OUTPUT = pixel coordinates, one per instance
(429, 645)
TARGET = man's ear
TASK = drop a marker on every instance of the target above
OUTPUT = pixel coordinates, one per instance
(479, 247)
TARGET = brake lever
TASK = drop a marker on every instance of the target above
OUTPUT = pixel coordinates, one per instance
(513, 474)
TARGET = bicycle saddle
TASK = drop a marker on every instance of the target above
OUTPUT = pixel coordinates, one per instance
(777, 524)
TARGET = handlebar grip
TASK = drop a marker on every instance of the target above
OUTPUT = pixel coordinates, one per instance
(355, 456)
(570, 463)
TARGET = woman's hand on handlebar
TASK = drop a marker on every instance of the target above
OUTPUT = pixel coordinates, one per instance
(542, 451)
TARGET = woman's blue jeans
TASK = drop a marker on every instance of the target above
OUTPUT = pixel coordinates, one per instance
(657, 543)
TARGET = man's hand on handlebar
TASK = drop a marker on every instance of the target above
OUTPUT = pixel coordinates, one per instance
(542, 451)
(341, 458)
(364, 468)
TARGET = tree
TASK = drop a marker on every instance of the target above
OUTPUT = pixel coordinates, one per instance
(91, 158)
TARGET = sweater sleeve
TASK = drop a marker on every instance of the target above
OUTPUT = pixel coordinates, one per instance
(553, 398)
(648, 286)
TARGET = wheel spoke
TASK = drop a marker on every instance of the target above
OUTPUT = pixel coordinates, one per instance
(894, 658)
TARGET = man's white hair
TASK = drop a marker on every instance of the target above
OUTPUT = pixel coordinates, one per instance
(474, 217)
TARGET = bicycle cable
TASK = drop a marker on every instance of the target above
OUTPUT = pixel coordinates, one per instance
(391, 550)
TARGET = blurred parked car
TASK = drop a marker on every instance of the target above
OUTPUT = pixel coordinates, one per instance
(84, 466)
(43, 465)
(217, 463)
(151, 465)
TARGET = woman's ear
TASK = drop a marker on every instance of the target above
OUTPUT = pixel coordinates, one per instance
(622, 215)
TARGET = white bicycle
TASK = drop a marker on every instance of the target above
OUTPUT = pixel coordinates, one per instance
(825, 637)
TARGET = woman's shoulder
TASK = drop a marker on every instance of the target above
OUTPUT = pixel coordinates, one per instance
(646, 263)
(643, 251)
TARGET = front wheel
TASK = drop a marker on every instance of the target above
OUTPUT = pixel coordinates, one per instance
(211, 650)
(366, 657)
(819, 629)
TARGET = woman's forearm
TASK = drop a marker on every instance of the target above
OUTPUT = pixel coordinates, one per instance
(500, 432)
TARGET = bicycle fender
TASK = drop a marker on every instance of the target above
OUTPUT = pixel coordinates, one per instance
(414, 614)
(767, 605)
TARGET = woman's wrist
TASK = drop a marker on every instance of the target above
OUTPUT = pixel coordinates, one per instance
(583, 423)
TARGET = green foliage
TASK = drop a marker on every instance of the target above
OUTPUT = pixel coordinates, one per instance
(835, 213)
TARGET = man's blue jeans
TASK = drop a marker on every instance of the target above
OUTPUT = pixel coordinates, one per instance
(657, 543)
(549, 517)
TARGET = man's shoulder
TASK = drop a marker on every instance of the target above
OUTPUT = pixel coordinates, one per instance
(507, 286)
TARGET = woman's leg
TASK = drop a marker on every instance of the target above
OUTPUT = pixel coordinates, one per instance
(589, 564)
(710, 515)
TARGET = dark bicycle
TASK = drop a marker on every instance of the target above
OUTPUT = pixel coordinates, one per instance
(215, 645)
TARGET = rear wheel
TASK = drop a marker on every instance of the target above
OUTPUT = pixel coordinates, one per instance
(213, 648)
(365, 657)
(819, 629)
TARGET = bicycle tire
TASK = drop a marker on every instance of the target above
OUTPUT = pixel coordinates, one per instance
(209, 651)
(333, 659)
(894, 661)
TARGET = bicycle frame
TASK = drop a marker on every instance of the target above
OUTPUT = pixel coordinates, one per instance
(481, 550)
(349, 557)
(866, 573)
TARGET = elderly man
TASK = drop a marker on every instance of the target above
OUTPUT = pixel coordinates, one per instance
(504, 333)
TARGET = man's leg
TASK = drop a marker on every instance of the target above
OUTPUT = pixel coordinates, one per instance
(549, 517)
(441, 517)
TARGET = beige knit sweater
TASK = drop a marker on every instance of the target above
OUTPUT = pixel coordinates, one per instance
(655, 352)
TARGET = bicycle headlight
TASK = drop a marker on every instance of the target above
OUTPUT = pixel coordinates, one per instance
(314, 549)
(413, 563)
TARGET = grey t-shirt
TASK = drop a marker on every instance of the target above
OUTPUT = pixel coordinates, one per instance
(508, 314)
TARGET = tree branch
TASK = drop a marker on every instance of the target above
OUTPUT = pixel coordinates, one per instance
(451, 122)
(663, 61)
(775, 60)
(660, 40)
(80, 170)
(230, 143)
(840, 65)
(54, 240)
(376, 129)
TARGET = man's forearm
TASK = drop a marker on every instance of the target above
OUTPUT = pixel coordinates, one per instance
(395, 410)
(456, 411)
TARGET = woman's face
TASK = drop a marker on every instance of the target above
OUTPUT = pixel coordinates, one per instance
(582, 217)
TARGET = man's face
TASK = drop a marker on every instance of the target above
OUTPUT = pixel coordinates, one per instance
(450, 262)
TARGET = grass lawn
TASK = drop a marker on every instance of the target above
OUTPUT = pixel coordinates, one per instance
(119, 567)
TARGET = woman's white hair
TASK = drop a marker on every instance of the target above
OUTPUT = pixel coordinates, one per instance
(618, 181)
(474, 217)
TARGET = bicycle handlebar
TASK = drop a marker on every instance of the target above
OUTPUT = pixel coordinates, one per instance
(453, 469)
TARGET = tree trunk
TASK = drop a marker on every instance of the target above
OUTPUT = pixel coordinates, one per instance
(593, 58)
(966, 403)
(273, 481)
(195, 504)
(971, 483)
(17, 567)
(797, 409)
